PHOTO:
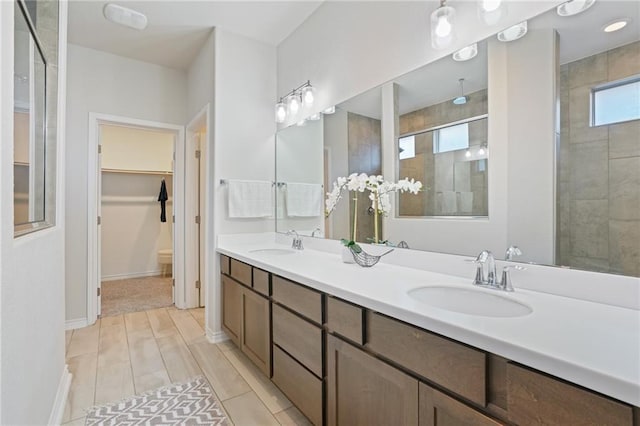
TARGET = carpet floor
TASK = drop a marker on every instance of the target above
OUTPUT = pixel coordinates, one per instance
(135, 294)
(189, 403)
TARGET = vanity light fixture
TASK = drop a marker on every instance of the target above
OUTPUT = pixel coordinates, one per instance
(513, 33)
(467, 153)
(462, 99)
(482, 150)
(466, 53)
(573, 7)
(125, 16)
(442, 25)
(616, 25)
(291, 104)
(329, 110)
(491, 11)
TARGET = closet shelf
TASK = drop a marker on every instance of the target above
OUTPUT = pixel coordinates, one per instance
(138, 172)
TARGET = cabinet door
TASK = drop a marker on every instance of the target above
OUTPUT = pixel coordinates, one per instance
(437, 409)
(362, 390)
(255, 329)
(231, 308)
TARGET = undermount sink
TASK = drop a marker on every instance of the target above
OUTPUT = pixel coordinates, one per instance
(470, 301)
(274, 251)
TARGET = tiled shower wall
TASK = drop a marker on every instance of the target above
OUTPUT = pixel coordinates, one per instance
(598, 171)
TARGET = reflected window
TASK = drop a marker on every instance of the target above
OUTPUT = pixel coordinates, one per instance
(451, 138)
(616, 102)
(407, 147)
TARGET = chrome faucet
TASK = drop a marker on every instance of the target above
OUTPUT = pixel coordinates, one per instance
(313, 234)
(486, 273)
(512, 252)
(297, 241)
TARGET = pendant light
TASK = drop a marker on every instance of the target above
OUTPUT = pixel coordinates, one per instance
(281, 112)
(442, 25)
(492, 11)
(462, 99)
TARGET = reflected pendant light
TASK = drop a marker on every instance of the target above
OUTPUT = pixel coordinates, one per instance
(466, 53)
(281, 112)
(491, 11)
(293, 105)
(462, 99)
(308, 95)
(442, 26)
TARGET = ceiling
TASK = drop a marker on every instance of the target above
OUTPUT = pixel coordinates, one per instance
(177, 29)
(580, 36)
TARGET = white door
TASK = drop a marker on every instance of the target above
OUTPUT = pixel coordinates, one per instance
(193, 278)
(99, 219)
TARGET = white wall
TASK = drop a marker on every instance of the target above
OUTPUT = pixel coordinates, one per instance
(109, 84)
(31, 268)
(132, 232)
(244, 128)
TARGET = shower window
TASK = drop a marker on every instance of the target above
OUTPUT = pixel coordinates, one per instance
(451, 138)
(616, 102)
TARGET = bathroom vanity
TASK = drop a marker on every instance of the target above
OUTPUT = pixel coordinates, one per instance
(348, 345)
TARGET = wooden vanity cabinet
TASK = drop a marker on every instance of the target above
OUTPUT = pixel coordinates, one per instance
(363, 390)
(438, 409)
(246, 315)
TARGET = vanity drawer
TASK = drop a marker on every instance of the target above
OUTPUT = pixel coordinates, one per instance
(301, 339)
(304, 301)
(299, 385)
(345, 319)
(241, 272)
(261, 281)
(534, 398)
(452, 365)
(224, 264)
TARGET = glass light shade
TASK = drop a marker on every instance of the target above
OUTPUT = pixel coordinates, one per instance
(574, 7)
(308, 95)
(329, 110)
(491, 11)
(466, 53)
(460, 100)
(442, 27)
(513, 33)
(281, 112)
(293, 104)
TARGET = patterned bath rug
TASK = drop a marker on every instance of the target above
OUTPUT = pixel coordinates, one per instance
(190, 403)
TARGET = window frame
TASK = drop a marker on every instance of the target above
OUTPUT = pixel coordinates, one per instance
(607, 86)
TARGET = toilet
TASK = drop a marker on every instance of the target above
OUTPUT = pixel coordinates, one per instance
(165, 258)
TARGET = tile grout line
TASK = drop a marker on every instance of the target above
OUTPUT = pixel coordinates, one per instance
(126, 338)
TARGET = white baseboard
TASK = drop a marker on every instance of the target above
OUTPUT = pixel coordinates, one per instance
(132, 275)
(57, 411)
(75, 323)
(216, 336)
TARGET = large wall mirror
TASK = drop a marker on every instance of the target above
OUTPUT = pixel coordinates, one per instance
(34, 107)
(541, 146)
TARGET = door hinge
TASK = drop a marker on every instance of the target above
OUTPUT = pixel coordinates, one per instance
(198, 284)
(198, 153)
(198, 219)
(173, 218)
(99, 149)
(99, 220)
(98, 291)
(173, 282)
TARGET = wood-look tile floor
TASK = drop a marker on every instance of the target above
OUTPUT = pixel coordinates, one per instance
(129, 354)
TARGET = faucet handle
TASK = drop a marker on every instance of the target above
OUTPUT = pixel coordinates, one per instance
(505, 283)
(512, 252)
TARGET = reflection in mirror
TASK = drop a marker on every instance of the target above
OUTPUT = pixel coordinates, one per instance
(443, 137)
(29, 123)
(300, 163)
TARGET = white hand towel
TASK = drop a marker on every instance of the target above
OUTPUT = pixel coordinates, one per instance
(465, 202)
(304, 199)
(249, 198)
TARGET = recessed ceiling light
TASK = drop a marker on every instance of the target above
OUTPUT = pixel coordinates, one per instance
(466, 53)
(513, 33)
(615, 25)
(125, 16)
(574, 7)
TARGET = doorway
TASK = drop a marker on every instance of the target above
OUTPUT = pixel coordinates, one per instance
(136, 212)
(138, 258)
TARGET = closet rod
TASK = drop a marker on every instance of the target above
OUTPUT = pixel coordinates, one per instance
(137, 172)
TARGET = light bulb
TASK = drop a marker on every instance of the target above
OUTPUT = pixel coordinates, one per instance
(294, 104)
(490, 5)
(308, 95)
(281, 112)
(467, 154)
(443, 28)
(482, 151)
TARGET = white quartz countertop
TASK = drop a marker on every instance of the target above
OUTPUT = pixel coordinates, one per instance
(590, 344)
